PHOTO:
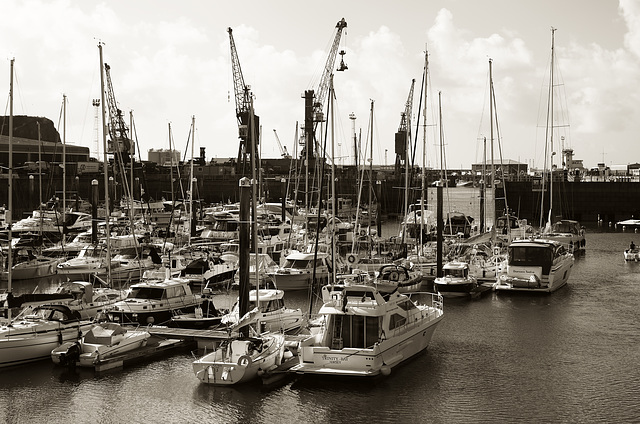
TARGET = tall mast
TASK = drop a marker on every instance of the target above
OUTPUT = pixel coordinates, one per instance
(8, 213)
(191, 178)
(424, 149)
(64, 160)
(105, 166)
(491, 118)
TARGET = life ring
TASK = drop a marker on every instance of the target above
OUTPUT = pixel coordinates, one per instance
(244, 361)
(211, 265)
(352, 259)
(394, 276)
(363, 232)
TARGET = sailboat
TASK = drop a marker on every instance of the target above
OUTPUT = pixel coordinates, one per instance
(32, 335)
(569, 232)
(540, 264)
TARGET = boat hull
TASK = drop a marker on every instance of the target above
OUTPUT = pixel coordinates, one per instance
(357, 362)
(25, 348)
(226, 366)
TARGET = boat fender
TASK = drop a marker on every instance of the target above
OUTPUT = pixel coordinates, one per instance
(496, 251)
(352, 259)
(244, 361)
(385, 370)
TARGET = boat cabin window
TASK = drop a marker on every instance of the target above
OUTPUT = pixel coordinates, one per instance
(396, 320)
(176, 291)
(356, 331)
(455, 272)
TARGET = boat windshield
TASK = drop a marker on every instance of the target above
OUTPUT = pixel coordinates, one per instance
(297, 263)
(150, 293)
(531, 256)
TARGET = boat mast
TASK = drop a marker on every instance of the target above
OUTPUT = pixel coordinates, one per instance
(493, 168)
(105, 166)
(8, 212)
(64, 163)
(424, 150)
(549, 140)
(333, 186)
(191, 178)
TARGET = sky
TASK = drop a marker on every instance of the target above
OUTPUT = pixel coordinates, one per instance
(170, 61)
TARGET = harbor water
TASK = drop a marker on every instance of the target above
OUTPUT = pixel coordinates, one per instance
(571, 356)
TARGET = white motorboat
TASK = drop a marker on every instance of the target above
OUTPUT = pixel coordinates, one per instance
(568, 232)
(391, 277)
(267, 312)
(155, 302)
(536, 265)
(28, 264)
(456, 281)
(364, 332)
(632, 254)
(102, 342)
(34, 333)
(240, 360)
(297, 272)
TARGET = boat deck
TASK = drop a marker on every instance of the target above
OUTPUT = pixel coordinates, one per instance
(155, 346)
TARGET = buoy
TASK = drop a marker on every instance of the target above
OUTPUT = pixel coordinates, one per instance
(244, 361)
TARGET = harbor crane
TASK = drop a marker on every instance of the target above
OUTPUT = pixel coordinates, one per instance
(403, 135)
(248, 122)
(120, 145)
(314, 100)
(283, 149)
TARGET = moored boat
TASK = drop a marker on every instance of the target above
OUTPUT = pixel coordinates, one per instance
(298, 270)
(240, 360)
(536, 265)
(364, 332)
(155, 302)
(102, 342)
(267, 312)
(32, 335)
(456, 281)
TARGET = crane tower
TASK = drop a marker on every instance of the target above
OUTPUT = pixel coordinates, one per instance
(403, 136)
(120, 144)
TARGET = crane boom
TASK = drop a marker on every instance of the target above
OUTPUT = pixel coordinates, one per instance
(242, 91)
(328, 67)
(283, 149)
(119, 143)
(314, 101)
(244, 113)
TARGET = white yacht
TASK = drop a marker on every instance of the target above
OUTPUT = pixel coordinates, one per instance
(363, 332)
(536, 265)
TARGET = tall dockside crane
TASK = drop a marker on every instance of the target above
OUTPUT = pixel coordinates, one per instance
(403, 136)
(120, 145)
(248, 122)
(314, 100)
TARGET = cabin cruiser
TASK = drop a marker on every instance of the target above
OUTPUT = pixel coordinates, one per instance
(155, 302)
(567, 232)
(364, 332)
(297, 272)
(536, 265)
(267, 312)
(456, 281)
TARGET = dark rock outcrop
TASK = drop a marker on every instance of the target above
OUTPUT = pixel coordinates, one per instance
(27, 127)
